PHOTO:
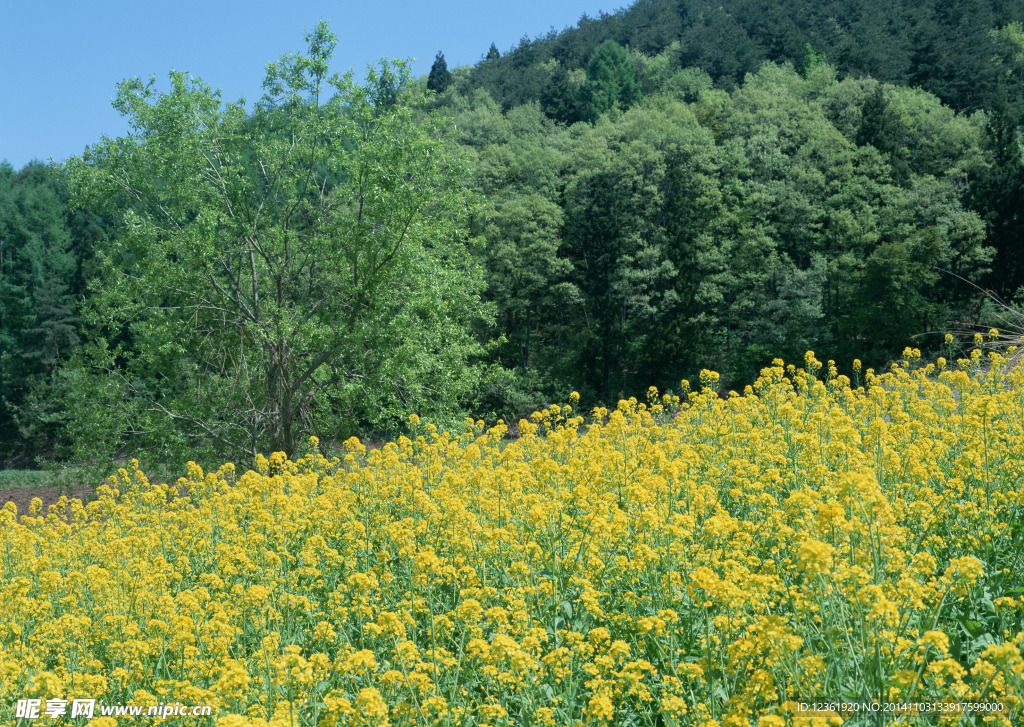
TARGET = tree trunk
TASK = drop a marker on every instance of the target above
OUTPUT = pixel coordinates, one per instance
(280, 403)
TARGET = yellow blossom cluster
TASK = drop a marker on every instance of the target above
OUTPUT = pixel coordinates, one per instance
(695, 560)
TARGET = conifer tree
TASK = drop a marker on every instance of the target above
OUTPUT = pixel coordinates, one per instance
(560, 99)
(611, 80)
(39, 322)
(440, 76)
(997, 195)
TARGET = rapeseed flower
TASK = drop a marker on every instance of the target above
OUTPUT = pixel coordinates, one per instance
(690, 560)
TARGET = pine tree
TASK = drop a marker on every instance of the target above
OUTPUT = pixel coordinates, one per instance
(560, 99)
(386, 87)
(39, 322)
(611, 80)
(492, 54)
(440, 76)
(997, 195)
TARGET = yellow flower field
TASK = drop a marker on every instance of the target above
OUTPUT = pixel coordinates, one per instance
(694, 561)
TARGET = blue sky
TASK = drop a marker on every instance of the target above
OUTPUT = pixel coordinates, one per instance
(62, 60)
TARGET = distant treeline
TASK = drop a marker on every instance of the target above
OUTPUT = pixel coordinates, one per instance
(946, 47)
(674, 187)
(717, 229)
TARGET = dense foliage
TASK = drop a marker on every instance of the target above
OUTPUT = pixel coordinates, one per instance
(694, 562)
(45, 251)
(293, 268)
(726, 229)
(959, 50)
(673, 187)
(624, 207)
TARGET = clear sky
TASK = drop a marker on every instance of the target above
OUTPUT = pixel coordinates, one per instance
(61, 60)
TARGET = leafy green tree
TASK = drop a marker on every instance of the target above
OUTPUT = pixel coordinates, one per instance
(611, 80)
(1009, 42)
(527, 278)
(811, 59)
(893, 300)
(492, 53)
(880, 128)
(617, 230)
(727, 231)
(790, 317)
(440, 77)
(298, 268)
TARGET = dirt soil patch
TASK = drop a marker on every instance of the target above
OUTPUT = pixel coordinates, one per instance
(22, 496)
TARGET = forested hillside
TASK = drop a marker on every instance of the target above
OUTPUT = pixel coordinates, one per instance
(944, 47)
(675, 187)
(46, 247)
(724, 231)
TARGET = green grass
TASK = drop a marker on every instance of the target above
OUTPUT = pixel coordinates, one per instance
(65, 478)
(25, 478)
